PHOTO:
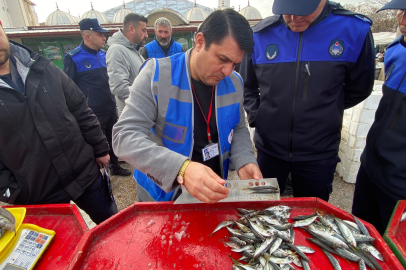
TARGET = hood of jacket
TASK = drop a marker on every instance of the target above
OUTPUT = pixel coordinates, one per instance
(119, 38)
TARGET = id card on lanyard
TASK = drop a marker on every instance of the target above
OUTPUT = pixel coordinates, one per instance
(212, 149)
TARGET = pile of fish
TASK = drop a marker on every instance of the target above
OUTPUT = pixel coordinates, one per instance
(265, 239)
(7, 221)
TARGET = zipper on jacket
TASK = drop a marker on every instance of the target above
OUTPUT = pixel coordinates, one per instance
(292, 117)
(306, 80)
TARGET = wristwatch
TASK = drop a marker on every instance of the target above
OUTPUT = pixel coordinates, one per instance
(181, 173)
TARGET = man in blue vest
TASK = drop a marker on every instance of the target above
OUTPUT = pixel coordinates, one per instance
(309, 63)
(86, 66)
(193, 103)
(163, 45)
(381, 179)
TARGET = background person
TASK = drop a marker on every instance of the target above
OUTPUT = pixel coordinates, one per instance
(196, 110)
(163, 45)
(381, 179)
(124, 59)
(86, 66)
(305, 69)
(51, 144)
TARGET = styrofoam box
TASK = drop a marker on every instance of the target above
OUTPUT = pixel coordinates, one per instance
(352, 166)
(353, 154)
(359, 129)
(371, 102)
(346, 122)
(349, 177)
(361, 115)
(343, 146)
(356, 142)
(339, 169)
(345, 135)
(348, 112)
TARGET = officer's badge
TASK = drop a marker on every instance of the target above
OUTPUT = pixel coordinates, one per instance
(271, 51)
(87, 64)
(336, 48)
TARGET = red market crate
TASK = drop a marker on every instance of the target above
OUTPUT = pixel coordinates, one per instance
(69, 226)
(395, 234)
(143, 236)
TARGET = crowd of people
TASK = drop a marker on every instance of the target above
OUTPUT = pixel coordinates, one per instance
(179, 117)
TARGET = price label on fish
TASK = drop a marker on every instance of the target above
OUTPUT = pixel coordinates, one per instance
(241, 190)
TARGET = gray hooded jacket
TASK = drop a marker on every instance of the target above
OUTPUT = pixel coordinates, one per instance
(123, 63)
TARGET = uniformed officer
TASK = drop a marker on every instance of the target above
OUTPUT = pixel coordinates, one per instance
(86, 66)
(309, 63)
(381, 179)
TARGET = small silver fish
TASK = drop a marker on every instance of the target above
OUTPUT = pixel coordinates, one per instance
(263, 247)
(222, 225)
(345, 232)
(305, 249)
(348, 255)
(372, 250)
(332, 260)
(304, 222)
(275, 245)
(245, 248)
(361, 265)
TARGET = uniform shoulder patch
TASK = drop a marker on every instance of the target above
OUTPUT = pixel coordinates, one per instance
(74, 51)
(337, 9)
(396, 41)
(266, 22)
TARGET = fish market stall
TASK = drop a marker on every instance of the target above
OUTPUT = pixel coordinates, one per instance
(62, 222)
(395, 235)
(180, 236)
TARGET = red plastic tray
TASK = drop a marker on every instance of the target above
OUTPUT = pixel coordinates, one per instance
(138, 237)
(395, 235)
(69, 226)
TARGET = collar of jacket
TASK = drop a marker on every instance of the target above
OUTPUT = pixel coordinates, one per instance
(86, 48)
(170, 43)
(324, 13)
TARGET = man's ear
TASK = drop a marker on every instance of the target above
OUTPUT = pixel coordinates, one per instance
(200, 41)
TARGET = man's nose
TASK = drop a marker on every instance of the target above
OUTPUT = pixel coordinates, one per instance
(227, 69)
(296, 17)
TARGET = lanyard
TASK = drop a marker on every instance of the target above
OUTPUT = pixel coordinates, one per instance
(209, 115)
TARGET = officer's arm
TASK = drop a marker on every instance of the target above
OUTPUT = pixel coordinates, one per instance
(251, 89)
(359, 81)
(69, 67)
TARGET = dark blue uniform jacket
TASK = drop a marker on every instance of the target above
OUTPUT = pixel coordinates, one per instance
(384, 156)
(297, 85)
(87, 68)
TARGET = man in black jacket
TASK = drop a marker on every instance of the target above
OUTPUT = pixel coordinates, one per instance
(309, 63)
(51, 144)
(86, 66)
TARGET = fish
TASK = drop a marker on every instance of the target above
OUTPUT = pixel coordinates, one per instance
(243, 227)
(280, 253)
(232, 244)
(299, 252)
(328, 221)
(2, 231)
(361, 265)
(322, 228)
(372, 250)
(234, 232)
(285, 260)
(304, 222)
(305, 249)
(361, 238)
(237, 241)
(297, 262)
(275, 245)
(348, 255)
(262, 187)
(361, 226)
(322, 245)
(345, 232)
(332, 260)
(304, 217)
(222, 225)
(263, 247)
(331, 239)
(244, 248)
(305, 265)
(7, 214)
(287, 267)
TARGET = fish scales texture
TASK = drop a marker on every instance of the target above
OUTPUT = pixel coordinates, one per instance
(332, 260)
(372, 250)
(346, 232)
(331, 239)
(348, 255)
(361, 226)
(304, 222)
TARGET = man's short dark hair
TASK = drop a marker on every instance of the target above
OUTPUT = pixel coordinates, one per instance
(223, 23)
(133, 19)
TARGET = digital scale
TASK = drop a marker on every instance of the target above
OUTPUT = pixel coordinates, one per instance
(22, 251)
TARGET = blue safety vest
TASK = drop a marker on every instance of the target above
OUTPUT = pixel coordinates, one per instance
(155, 51)
(174, 124)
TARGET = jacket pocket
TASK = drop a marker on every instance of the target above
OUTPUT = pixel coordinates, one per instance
(306, 80)
(398, 113)
(174, 133)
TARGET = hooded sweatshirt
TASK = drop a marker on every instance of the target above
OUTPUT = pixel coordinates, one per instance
(123, 64)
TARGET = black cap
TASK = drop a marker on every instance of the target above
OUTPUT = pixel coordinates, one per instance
(91, 24)
(295, 7)
(394, 4)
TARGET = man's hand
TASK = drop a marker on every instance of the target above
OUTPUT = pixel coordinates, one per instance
(103, 161)
(250, 171)
(204, 184)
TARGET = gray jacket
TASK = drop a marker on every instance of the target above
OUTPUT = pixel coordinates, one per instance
(133, 143)
(123, 64)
